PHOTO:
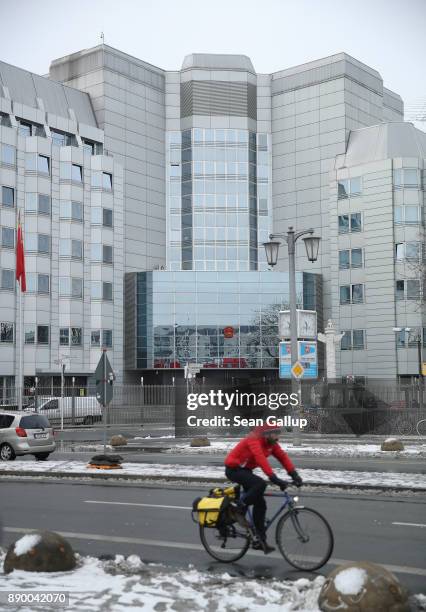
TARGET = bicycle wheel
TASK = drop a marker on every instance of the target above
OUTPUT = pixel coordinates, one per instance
(304, 538)
(421, 427)
(227, 544)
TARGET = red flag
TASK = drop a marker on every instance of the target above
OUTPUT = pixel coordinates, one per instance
(20, 258)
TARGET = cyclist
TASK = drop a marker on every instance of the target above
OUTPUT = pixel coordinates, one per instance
(251, 452)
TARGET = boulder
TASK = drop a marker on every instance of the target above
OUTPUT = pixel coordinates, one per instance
(118, 441)
(392, 444)
(200, 441)
(40, 551)
(362, 586)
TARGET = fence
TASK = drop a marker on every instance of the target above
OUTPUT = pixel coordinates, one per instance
(379, 407)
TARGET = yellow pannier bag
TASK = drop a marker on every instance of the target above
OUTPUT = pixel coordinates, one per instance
(209, 511)
(233, 492)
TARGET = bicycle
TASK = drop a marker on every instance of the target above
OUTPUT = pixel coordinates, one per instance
(421, 427)
(303, 536)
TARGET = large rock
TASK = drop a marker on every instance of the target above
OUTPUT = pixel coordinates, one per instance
(200, 441)
(41, 551)
(392, 444)
(362, 587)
(118, 441)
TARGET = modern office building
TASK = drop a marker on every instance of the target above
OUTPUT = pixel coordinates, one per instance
(214, 157)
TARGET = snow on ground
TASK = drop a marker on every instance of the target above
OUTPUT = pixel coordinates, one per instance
(129, 584)
(26, 543)
(329, 450)
(153, 470)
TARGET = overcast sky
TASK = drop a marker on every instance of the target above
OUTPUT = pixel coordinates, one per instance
(388, 35)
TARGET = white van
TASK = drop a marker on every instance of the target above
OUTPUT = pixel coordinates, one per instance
(87, 410)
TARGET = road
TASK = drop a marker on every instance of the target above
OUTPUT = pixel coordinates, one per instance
(154, 522)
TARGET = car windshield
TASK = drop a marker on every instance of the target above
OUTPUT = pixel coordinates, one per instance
(35, 421)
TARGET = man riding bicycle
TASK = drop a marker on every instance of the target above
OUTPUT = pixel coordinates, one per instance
(252, 452)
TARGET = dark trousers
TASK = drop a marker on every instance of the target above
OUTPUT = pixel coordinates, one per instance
(254, 488)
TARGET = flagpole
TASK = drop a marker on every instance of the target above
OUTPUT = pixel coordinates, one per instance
(20, 390)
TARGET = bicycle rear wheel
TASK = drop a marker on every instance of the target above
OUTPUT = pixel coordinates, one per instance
(304, 539)
(227, 544)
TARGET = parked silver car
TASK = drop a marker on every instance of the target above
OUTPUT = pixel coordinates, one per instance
(24, 433)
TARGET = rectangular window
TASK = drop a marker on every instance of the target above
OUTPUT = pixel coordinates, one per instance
(8, 279)
(43, 283)
(76, 173)
(58, 138)
(43, 244)
(358, 339)
(6, 332)
(345, 294)
(8, 237)
(407, 250)
(400, 290)
(107, 217)
(107, 254)
(107, 291)
(107, 181)
(8, 196)
(346, 341)
(64, 336)
(70, 287)
(107, 337)
(89, 146)
(42, 334)
(400, 338)
(356, 258)
(352, 294)
(356, 222)
(406, 178)
(76, 336)
(24, 129)
(348, 187)
(8, 155)
(29, 334)
(76, 249)
(43, 164)
(43, 204)
(413, 289)
(343, 224)
(77, 288)
(95, 337)
(344, 260)
(357, 294)
(71, 210)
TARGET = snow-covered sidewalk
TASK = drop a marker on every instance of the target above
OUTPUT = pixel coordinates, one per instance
(192, 472)
(129, 584)
(313, 450)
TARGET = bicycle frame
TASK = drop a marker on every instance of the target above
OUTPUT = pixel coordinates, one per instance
(288, 502)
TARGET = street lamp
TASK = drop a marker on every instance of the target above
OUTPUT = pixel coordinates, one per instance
(272, 248)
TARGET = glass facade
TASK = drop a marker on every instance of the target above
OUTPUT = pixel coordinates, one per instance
(217, 319)
(218, 199)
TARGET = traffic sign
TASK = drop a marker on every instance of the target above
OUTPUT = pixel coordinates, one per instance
(104, 377)
(297, 370)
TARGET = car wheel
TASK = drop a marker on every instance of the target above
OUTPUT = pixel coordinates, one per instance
(41, 456)
(7, 453)
(88, 420)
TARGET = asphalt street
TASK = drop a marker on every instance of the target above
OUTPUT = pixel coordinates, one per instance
(155, 523)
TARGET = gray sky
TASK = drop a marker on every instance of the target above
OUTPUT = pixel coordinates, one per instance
(388, 35)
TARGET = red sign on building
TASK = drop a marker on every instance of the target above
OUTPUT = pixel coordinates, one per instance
(228, 332)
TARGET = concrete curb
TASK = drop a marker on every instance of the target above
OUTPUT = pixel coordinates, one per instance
(117, 476)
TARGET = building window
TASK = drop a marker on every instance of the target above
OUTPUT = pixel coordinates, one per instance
(43, 244)
(400, 290)
(71, 210)
(43, 283)
(101, 290)
(107, 217)
(6, 332)
(64, 336)
(352, 294)
(107, 337)
(24, 129)
(76, 173)
(107, 181)
(76, 336)
(62, 139)
(8, 279)
(29, 334)
(352, 340)
(350, 258)
(347, 188)
(8, 196)
(70, 287)
(71, 248)
(8, 237)
(106, 254)
(95, 337)
(349, 223)
(42, 334)
(407, 251)
(407, 290)
(107, 291)
(406, 178)
(407, 215)
(43, 164)
(8, 155)
(37, 203)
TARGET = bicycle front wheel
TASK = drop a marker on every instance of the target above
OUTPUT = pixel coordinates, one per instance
(226, 544)
(304, 539)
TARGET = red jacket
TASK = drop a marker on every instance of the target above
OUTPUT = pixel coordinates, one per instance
(253, 451)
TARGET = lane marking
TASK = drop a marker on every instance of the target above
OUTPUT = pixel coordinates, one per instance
(114, 503)
(398, 569)
(409, 524)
